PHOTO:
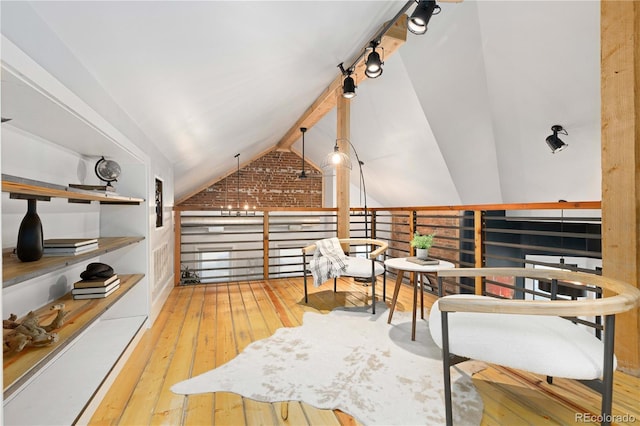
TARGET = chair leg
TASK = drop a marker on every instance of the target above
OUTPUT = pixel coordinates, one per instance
(304, 266)
(335, 285)
(607, 368)
(373, 287)
(384, 285)
(446, 365)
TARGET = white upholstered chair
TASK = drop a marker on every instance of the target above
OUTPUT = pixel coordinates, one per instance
(357, 267)
(532, 335)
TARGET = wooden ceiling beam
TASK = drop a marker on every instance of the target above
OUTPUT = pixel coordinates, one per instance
(391, 41)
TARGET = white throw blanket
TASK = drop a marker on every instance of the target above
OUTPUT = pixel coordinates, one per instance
(329, 261)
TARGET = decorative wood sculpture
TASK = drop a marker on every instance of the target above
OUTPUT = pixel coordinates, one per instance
(30, 333)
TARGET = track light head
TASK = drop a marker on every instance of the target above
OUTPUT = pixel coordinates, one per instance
(373, 65)
(348, 87)
(421, 15)
(555, 143)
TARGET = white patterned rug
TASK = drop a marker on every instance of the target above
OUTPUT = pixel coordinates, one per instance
(352, 361)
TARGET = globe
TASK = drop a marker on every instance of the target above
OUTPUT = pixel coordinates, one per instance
(107, 170)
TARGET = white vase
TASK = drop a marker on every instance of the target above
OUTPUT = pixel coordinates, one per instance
(422, 253)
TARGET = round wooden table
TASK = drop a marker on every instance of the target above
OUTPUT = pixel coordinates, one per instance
(402, 265)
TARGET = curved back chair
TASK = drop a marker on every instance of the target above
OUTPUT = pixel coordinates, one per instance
(357, 267)
(532, 335)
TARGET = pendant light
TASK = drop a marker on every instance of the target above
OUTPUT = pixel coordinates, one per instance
(303, 174)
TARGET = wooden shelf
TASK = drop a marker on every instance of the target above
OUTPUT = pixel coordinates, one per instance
(18, 367)
(15, 271)
(27, 188)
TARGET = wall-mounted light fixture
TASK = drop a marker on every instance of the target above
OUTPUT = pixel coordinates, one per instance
(4, 120)
(555, 143)
(421, 15)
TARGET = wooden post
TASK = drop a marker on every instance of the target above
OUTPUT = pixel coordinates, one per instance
(412, 230)
(478, 244)
(343, 173)
(620, 96)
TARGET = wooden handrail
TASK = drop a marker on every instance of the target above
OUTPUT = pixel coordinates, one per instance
(625, 298)
(382, 246)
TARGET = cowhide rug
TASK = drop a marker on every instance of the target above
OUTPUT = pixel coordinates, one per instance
(352, 361)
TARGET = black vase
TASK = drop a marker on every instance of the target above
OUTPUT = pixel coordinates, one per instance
(30, 240)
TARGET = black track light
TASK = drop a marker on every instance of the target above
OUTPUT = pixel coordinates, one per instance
(373, 64)
(348, 84)
(421, 15)
(555, 143)
(349, 87)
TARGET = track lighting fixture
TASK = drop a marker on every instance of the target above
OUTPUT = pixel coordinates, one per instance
(555, 143)
(348, 84)
(421, 15)
(349, 87)
(374, 63)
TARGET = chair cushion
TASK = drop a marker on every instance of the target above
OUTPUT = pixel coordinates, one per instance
(358, 267)
(540, 344)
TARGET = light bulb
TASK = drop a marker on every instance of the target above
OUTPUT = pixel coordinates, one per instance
(335, 158)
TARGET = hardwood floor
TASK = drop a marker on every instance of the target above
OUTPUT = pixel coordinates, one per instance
(202, 327)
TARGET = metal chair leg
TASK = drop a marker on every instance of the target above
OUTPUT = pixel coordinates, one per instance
(373, 286)
(384, 284)
(446, 365)
(607, 368)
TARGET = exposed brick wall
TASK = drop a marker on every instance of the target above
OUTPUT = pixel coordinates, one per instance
(270, 181)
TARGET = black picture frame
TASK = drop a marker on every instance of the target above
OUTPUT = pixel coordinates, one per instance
(158, 197)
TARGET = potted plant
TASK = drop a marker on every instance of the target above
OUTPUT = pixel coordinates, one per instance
(422, 243)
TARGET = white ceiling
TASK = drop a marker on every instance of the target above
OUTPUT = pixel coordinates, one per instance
(459, 115)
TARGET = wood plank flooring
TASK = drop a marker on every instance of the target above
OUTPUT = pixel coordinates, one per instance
(202, 327)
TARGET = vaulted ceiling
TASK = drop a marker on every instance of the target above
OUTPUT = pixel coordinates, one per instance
(459, 115)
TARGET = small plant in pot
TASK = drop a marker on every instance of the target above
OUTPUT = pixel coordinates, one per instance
(422, 243)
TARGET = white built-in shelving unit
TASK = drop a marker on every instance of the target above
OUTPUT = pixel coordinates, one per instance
(54, 139)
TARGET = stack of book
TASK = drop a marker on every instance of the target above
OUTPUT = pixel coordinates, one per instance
(107, 188)
(96, 288)
(69, 246)
(423, 262)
